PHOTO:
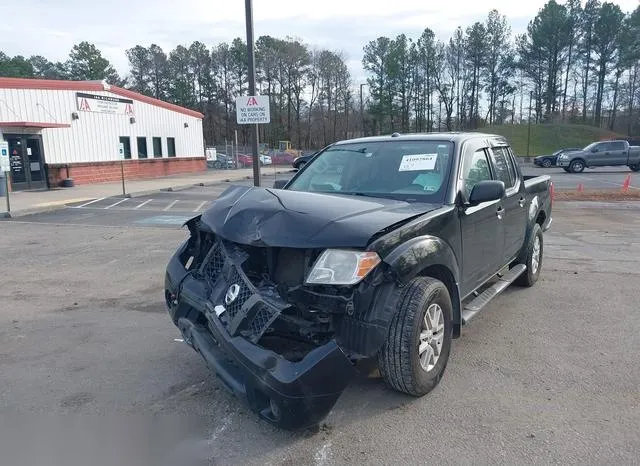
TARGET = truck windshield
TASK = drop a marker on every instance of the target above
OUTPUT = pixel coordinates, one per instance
(413, 171)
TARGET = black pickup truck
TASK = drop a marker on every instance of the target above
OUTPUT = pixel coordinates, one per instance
(378, 249)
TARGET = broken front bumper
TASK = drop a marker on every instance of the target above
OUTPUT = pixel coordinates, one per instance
(288, 394)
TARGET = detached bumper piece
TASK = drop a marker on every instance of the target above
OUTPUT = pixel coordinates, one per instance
(222, 316)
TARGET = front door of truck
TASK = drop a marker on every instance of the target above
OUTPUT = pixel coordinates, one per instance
(598, 155)
(482, 226)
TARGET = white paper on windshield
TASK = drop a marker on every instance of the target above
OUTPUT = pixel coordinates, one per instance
(417, 162)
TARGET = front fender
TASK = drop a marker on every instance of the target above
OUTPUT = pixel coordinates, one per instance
(417, 254)
(365, 331)
(432, 256)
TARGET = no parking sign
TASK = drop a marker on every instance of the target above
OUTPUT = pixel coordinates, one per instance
(4, 156)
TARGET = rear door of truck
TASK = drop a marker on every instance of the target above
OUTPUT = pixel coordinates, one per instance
(617, 153)
(514, 203)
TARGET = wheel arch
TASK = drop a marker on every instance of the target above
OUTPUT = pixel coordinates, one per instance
(578, 159)
(429, 256)
(442, 273)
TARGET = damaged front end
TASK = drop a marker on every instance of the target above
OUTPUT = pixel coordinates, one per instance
(285, 345)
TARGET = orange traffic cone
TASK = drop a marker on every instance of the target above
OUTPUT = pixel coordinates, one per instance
(626, 183)
(580, 187)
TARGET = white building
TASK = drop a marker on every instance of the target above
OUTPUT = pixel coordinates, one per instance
(77, 129)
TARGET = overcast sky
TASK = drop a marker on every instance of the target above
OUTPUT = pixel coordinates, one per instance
(51, 27)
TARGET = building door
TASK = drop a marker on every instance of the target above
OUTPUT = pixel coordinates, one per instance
(27, 162)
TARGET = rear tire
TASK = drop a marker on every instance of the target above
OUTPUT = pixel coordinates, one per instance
(635, 168)
(577, 166)
(402, 364)
(533, 258)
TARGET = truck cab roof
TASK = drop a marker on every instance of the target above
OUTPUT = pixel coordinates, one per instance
(453, 136)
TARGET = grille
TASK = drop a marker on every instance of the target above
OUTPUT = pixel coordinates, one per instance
(261, 322)
(245, 293)
(213, 265)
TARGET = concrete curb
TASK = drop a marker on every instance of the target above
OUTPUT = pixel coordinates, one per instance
(63, 204)
(31, 211)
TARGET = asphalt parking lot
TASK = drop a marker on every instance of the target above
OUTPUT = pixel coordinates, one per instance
(591, 178)
(544, 375)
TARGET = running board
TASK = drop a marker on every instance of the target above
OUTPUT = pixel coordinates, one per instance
(478, 303)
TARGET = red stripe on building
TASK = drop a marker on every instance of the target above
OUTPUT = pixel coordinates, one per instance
(32, 124)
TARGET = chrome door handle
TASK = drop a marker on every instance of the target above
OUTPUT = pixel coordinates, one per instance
(521, 202)
(500, 213)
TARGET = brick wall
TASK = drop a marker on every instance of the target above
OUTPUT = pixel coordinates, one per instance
(100, 172)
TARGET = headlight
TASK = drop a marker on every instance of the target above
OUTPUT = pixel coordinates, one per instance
(342, 267)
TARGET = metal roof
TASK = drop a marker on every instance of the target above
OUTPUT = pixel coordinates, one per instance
(58, 85)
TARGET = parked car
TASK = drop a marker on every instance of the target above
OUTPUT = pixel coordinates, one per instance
(382, 247)
(221, 161)
(246, 160)
(282, 158)
(547, 161)
(602, 154)
(302, 160)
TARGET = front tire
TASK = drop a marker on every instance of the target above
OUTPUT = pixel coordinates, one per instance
(533, 258)
(546, 163)
(577, 166)
(415, 354)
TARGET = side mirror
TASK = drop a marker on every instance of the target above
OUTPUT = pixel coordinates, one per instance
(279, 184)
(485, 191)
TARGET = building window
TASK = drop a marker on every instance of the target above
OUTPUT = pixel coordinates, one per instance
(171, 147)
(157, 147)
(126, 143)
(142, 148)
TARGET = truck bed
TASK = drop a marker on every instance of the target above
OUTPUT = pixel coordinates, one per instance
(531, 182)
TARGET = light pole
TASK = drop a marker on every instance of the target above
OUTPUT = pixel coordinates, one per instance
(529, 126)
(362, 106)
(252, 90)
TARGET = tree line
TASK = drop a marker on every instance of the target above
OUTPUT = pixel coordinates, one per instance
(576, 63)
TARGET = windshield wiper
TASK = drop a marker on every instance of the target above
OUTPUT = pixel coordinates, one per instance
(357, 193)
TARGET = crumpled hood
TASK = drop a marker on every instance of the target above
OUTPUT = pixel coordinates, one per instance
(281, 218)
